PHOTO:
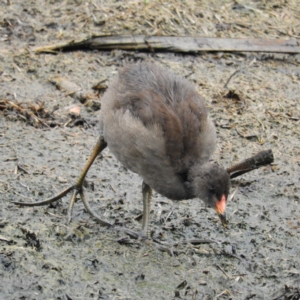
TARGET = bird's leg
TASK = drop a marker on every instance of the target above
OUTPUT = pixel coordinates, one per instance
(77, 188)
(147, 194)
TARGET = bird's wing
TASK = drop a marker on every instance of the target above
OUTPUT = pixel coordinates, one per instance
(142, 150)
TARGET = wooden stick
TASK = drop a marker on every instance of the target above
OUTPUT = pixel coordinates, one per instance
(262, 158)
(185, 44)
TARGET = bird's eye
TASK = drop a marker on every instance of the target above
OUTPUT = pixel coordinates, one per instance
(211, 189)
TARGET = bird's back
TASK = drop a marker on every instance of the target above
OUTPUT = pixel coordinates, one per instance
(155, 121)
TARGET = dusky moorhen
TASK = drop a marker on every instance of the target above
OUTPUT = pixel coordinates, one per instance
(157, 125)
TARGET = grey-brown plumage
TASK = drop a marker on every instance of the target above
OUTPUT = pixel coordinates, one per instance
(157, 125)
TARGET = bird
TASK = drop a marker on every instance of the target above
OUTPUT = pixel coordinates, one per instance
(157, 125)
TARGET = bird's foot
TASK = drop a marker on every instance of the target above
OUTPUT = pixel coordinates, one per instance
(76, 189)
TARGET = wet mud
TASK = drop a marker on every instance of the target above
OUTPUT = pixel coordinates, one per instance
(47, 134)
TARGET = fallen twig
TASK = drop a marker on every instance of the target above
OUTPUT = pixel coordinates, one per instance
(262, 158)
(185, 44)
(71, 89)
(26, 111)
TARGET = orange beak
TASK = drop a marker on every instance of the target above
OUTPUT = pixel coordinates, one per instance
(220, 209)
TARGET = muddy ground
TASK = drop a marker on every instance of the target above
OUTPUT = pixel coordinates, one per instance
(44, 143)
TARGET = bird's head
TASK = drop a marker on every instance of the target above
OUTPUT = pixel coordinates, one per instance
(211, 183)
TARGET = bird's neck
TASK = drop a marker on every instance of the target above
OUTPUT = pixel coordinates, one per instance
(195, 180)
